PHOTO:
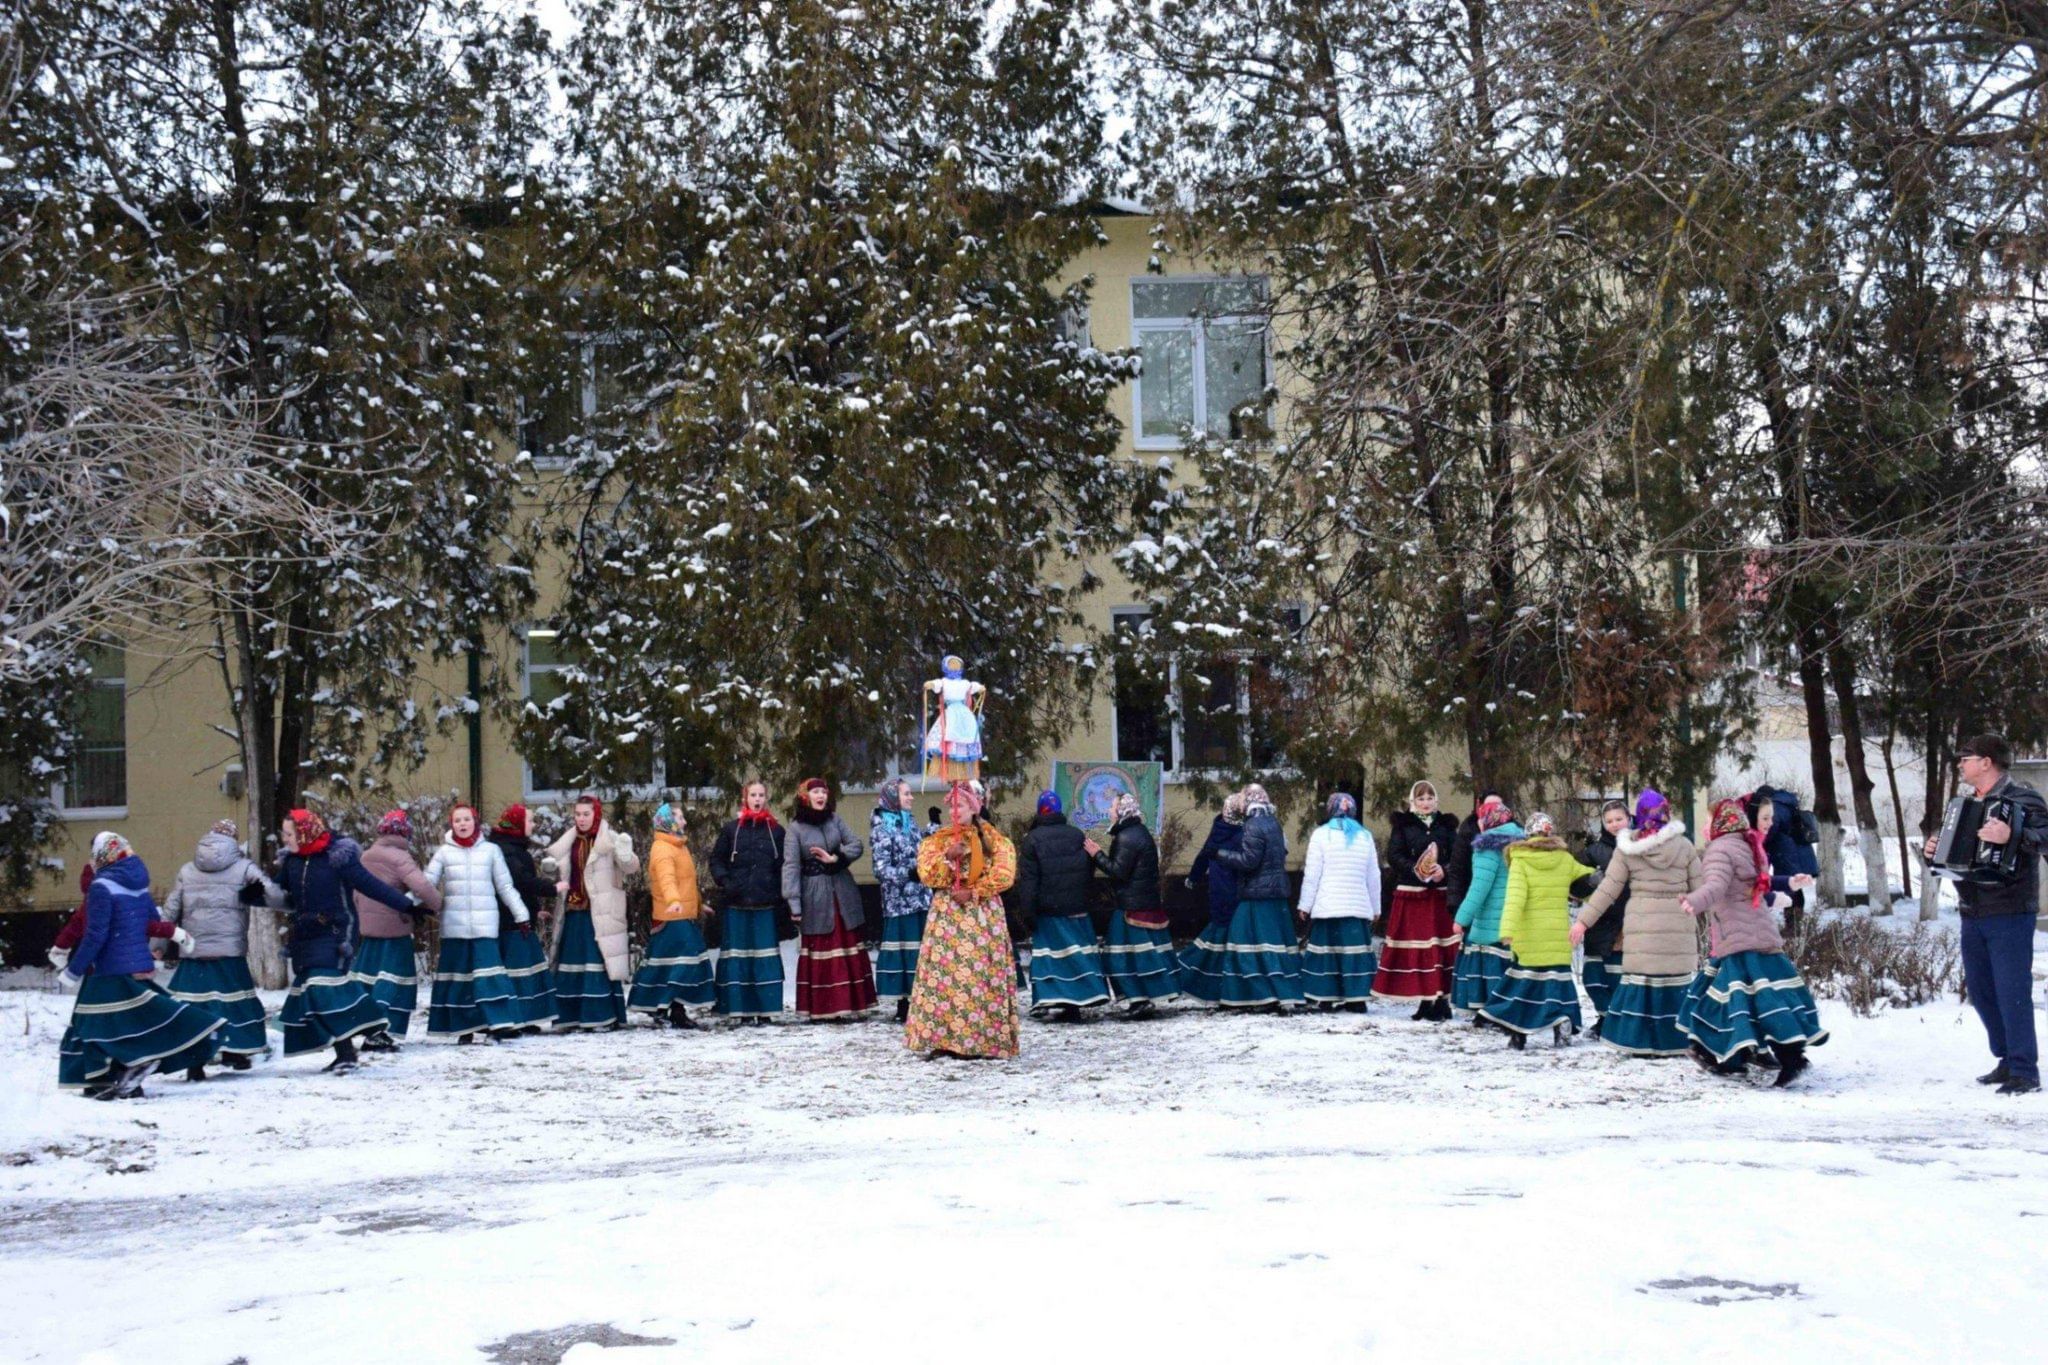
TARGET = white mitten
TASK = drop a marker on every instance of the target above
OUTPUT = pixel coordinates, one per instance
(59, 957)
(69, 982)
(1780, 901)
(622, 842)
(186, 943)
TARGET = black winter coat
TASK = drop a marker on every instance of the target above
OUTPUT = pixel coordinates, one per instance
(2021, 895)
(746, 862)
(1222, 880)
(533, 889)
(1131, 862)
(1409, 836)
(1053, 871)
(1260, 861)
(1601, 938)
(1458, 867)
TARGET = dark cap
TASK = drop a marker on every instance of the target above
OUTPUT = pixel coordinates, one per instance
(1986, 746)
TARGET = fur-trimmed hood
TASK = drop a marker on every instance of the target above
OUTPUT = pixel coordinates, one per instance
(1633, 846)
(1499, 837)
(1537, 843)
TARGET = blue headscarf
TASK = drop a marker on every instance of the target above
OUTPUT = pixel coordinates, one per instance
(1343, 815)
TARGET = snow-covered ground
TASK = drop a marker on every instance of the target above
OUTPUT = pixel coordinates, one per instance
(1196, 1188)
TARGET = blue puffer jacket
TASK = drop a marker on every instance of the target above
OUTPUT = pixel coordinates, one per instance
(323, 918)
(1479, 913)
(118, 910)
(1260, 861)
(1789, 857)
(1222, 880)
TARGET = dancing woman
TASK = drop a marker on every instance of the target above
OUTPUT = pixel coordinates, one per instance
(1482, 962)
(1658, 869)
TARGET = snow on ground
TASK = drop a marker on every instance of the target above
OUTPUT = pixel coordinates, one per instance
(1195, 1188)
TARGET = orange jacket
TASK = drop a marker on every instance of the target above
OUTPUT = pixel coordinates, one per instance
(672, 879)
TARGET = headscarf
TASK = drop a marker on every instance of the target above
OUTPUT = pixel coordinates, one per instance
(1049, 803)
(890, 797)
(396, 822)
(967, 794)
(1492, 814)
(579, 854)
(1125, 807)
(108, 848)
(511, 822)
(226, 827)
(1540, 826)
(668, 820)
(1341, 812)
(1727, 818)
(1415, 792)
(1233, 809)
(952, 666)
(476, 825)
(314, 836)
(1255, 799)
(1653, 812)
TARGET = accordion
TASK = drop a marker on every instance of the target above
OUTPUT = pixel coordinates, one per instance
(1961, 856)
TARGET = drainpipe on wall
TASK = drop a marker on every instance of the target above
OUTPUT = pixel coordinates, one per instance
(476, 726)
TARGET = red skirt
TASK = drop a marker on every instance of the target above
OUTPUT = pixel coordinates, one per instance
(1421, 952)
(833, 975)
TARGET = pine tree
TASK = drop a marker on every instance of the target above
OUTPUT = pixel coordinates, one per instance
(858, 426)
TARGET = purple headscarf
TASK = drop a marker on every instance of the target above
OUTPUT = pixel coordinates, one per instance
(1653, 812)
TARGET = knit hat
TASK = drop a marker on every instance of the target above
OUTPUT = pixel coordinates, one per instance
(1340, 806)
(1540, 826)
(512, 821)
(226, 827)
(1049, 803)
(668, 820)
(1492, 814)
(396, 822)
(1653, 812)
(108, 848)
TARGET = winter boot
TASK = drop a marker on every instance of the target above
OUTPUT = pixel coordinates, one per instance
(345, 1058)
(903, 1010)
(1791, 1061)
(1424, 1013)
(2019, 1085)
(1325, 1006)
(1518, 1042)
(195, 1073)
(1141, 1009)
(380, 1041)
(678, 1017)
(1594, 1031)
(1066, 1014)
(1997, 1075)
(236, 1061)
(129, 1086)
(1356, 1007)
(504, 1035)
(1560, 1033)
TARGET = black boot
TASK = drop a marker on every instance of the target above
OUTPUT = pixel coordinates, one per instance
(1424, 1012)
(1791, 1061)
(1517, 1041)
(678, 1017)
(1703, 1058)
(465, 1040)
(195, 1073)
(1594, 1032)
(1560, 1033)
(1141, 1009)
(345, 1057)
(1997, 1075)
(128, 1084)
(504, 1035)
(903, 1010)
(380, 1041)
(235, 1061)
(1355, 1007)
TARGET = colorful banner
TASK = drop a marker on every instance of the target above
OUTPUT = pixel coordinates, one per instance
(1088, 790)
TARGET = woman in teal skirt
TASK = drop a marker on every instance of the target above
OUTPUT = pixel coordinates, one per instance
(1482, 963)
(472, 992)
(906, 902)
(746, 862)
(592, 951)
(124, 1026)
(520, 942)
(1749, 999)
(1258, 964)
(211, 900)
(1139, 957)
(1538, 992)
(1340, 898)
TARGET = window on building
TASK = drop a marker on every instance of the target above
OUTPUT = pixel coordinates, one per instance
(1225, 706)
(97, 776)
(1144, 724)
(552, 420)
(1202, 345)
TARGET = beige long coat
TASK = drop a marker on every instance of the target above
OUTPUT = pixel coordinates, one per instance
(605, 871)
(1656, 871)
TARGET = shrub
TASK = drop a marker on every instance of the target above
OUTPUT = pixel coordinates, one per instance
(1869, 966)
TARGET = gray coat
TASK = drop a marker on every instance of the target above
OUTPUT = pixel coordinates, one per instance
(207, 900)
(812, 887)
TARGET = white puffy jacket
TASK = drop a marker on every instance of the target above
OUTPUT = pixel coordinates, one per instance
(473, 881)
(1341, 879)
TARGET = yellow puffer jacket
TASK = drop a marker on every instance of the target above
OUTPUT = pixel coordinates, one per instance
(672, 879)
(1536, 920)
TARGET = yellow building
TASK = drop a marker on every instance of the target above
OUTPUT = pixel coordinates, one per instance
(159, 763)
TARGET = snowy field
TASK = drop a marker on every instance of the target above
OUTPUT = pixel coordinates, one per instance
(1196, 1188)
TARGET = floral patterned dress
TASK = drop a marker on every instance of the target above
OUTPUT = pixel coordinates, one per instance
(965, 999)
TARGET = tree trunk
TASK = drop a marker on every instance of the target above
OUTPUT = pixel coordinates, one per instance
(1933, 754)
(1827, 810)
(1870, 840)
(1891, 779)
(259, 766)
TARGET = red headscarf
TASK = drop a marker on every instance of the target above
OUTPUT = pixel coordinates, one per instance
(313, 833)
(476, 825)
(512, 821)
(579, 853)
(1728, 818)
(1492, 814)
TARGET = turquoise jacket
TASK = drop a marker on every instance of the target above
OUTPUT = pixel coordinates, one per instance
(1479, 912)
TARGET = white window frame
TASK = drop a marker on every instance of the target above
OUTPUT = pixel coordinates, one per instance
(1199, 328)
(586, 372)
(1178, 772)
(637, 790)
(58, 796)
